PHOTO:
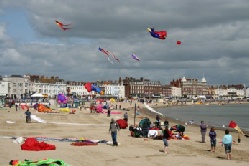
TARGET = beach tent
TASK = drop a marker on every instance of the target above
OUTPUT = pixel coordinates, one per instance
(37, 95)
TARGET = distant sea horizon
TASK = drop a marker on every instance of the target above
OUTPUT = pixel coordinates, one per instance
(213, 115)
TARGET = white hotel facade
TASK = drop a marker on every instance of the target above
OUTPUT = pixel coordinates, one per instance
(114, 90)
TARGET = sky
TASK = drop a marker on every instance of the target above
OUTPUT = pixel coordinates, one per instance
(214, 36)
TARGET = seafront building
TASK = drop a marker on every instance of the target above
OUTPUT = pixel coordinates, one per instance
(176, 92)
(229, 93)
(48, 89)
(76, 88)
(4, 86)
(18, 86)
(112, 90)
(141, 88)
(191, 88)
(21, 87)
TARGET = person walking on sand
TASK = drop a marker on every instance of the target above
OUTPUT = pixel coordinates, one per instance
(212, 135)
(16, 106)
(203, 129)
(157, 121)
(239, 136)
(166, 137)
(125, 116)
(28, 116)
(227, 142)
(108, 112)
(114, 127)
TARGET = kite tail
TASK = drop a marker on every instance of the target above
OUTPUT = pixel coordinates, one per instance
(109, 60)
(114, 57)
(240, 131)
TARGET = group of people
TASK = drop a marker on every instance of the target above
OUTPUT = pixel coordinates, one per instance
(227, 139)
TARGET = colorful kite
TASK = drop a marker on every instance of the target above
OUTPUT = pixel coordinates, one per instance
(135, 57)
(61, 25)
(106, 53)
(90, 87)
(234, 125)
(157, 34)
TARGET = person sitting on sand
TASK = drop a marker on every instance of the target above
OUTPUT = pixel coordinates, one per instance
(166, 123)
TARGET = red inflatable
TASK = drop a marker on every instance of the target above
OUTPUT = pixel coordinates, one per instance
(122, 123)
(34, 145)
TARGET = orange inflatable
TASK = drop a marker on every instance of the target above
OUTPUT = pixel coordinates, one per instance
(43, 108)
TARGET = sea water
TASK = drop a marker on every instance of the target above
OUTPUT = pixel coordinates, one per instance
(213, 115)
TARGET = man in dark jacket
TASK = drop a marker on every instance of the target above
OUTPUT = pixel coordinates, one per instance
(203, 129)
(28, 116)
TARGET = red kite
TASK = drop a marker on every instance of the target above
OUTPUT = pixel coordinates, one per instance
(234, 125)
(178, 42)
(61, 25)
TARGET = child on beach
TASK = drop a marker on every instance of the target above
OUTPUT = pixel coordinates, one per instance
(227, 142)
(166, 136)
(212, 135)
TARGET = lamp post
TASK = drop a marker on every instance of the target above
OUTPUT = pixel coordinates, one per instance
(135, 114)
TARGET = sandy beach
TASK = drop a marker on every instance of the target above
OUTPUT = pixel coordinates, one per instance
(94, 126)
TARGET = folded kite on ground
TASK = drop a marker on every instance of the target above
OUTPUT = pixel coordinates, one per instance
(34, 145)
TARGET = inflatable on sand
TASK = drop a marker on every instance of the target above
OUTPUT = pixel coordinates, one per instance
(43, 108)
